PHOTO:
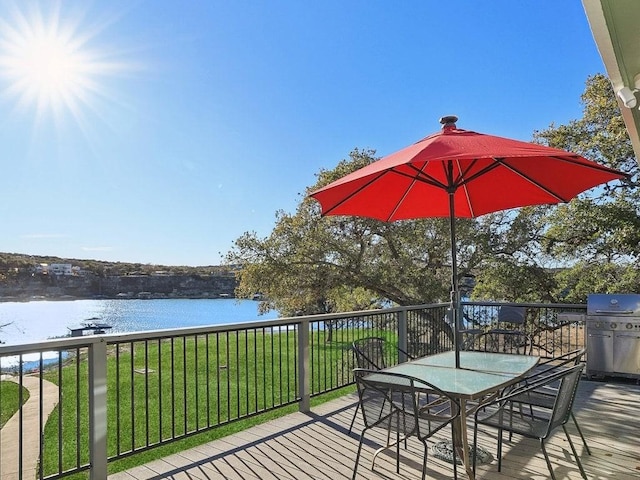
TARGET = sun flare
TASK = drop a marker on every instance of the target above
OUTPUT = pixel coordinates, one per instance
(49, 68)
(47, 63)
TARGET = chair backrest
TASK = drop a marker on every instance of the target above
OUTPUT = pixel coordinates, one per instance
(577, 355)
(573, 357)
(504, 341)
(382, 398)
(512, 315)
(565, 394)
(391, 401)
(370, 352)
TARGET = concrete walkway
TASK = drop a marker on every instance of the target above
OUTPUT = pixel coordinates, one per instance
(10, 433)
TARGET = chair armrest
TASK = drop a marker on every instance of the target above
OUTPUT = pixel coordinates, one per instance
(565, 358)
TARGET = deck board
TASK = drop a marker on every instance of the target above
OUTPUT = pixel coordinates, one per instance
(318, 446)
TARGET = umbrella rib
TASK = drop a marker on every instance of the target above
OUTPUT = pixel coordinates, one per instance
(463, 179)
(533, 181)
(592, 165)
(421, 177)
(354, 193)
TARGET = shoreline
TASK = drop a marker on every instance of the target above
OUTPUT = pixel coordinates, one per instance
(69, 298)
(33, 321)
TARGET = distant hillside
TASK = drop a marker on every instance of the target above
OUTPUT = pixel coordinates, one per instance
(9, 261)
(22, 277)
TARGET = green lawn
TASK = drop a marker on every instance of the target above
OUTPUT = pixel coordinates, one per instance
(10, 400)
(169, 388)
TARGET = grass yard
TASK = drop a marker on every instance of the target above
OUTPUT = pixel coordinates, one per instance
(10, 400)
(200, 388)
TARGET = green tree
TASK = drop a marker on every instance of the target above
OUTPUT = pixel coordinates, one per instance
(592, 244)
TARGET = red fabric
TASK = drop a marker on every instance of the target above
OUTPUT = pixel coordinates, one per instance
(489, 174)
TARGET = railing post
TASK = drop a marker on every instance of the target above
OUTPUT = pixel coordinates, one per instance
(304, 367)
(403, 335)
(98, 410)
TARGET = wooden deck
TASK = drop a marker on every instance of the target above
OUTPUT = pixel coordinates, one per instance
(318, 446)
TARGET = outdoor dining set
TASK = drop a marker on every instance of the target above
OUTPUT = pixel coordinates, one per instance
(517, 393)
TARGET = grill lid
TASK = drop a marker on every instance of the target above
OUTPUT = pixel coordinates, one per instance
(627, 304)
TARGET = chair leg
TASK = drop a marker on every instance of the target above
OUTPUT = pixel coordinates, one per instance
(424, 460)
(546, 457)
(398, 449)
(355, 414)
(584, 441)
(389, 445)
(355, 467)
(499, 450)
(475, 446)
(455, 457)
(575, 454)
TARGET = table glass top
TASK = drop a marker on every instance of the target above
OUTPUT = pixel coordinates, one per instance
(479, 372)
(483, 361)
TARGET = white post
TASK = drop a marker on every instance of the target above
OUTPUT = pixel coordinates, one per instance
(98, 410)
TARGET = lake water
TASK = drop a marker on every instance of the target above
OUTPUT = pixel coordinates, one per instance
(40, 320)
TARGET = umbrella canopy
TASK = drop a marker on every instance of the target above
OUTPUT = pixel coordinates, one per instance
(460, 173)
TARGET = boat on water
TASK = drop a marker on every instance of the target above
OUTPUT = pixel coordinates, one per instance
(91, 325)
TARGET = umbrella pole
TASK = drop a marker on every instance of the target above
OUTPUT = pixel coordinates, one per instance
(454, 279)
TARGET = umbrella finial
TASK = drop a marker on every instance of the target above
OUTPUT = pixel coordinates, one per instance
(448, 122)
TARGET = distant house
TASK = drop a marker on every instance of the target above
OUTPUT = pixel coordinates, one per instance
(57, 269)
(60, 269)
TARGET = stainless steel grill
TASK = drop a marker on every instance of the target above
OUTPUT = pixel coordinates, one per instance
(613, 335)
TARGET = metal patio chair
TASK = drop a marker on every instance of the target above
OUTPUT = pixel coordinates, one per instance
(371, 353)
(504, 341)
(499, 414)
(511, 316)
(390, 401)
(545, 397)
(508, 336)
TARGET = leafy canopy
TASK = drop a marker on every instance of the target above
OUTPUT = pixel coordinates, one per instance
(591, 244)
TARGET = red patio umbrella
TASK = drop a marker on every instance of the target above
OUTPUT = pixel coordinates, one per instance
(460, 173)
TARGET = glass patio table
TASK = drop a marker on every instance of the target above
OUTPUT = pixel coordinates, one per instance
(480, 374)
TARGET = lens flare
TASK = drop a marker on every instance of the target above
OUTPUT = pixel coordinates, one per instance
(48, 64)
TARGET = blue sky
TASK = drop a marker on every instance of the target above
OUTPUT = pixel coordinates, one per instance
(159, 131)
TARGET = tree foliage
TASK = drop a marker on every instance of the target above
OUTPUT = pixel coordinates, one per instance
(591, 244)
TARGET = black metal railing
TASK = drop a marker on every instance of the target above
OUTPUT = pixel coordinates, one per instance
(101, 398)
(555, 329)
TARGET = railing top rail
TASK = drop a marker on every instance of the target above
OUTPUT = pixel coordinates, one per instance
(53, 344)
(85, 340)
